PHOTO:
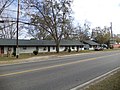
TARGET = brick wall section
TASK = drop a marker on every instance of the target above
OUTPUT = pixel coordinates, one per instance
(116, 45)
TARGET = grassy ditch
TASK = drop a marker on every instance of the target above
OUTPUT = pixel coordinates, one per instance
(9, 58)
(110, 83)
(28, 55)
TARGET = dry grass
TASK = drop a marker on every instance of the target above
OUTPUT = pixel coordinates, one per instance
(24, 56)
(110, 83)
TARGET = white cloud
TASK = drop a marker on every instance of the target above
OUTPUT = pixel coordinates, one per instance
(98, 12)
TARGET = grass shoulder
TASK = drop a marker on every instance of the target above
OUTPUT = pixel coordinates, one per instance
(110, 83)
(28, 55)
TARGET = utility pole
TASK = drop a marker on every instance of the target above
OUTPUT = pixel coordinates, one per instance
(17, 46)
(111, 30)
(111, 36)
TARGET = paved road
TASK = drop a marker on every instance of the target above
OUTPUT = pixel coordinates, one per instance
(58, 73)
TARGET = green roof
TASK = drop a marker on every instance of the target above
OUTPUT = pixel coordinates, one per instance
(12, 42)
(90, 42)
(71, 42)
(21, 42)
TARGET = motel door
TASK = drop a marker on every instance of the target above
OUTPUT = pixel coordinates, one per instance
(1, 50)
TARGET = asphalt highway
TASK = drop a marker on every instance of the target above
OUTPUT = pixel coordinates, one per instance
(58, 73)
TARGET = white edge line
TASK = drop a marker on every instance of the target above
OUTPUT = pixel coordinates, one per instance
(79, 87)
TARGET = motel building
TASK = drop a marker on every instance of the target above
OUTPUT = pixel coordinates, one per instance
(28, 46)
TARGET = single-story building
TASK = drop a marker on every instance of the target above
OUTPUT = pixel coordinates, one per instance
(28, 46)
(90, 45)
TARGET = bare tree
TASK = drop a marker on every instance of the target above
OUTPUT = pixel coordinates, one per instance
(81, 33)
(50, 15)
(4, 4)
(102, 36)
(37, 32)
(69, 29)
(8, 29)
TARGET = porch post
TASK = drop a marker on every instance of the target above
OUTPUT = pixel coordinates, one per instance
(77, 48)
(48, 48)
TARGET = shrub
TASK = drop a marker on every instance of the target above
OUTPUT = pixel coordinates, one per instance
(111, 47)
(44, 48)
(65, 49)
(69, 50)
(35, 52)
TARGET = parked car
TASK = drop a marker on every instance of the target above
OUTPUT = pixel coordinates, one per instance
(99, 49)
(104, 46)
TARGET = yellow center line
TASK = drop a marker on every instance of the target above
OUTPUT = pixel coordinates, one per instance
(49, 67)
(43, 68)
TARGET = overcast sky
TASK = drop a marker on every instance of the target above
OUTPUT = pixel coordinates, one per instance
(98, 12)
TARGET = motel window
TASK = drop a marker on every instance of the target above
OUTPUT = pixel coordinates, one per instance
(90, 46)
(9, 49)
(62, 47)
(81, 46)
(53, 48)
(44, 49)
(37, 48)
(24, 48)
(73, 47)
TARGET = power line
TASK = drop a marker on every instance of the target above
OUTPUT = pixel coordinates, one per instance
(21, 11)
(13, 18)
(11, 10)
